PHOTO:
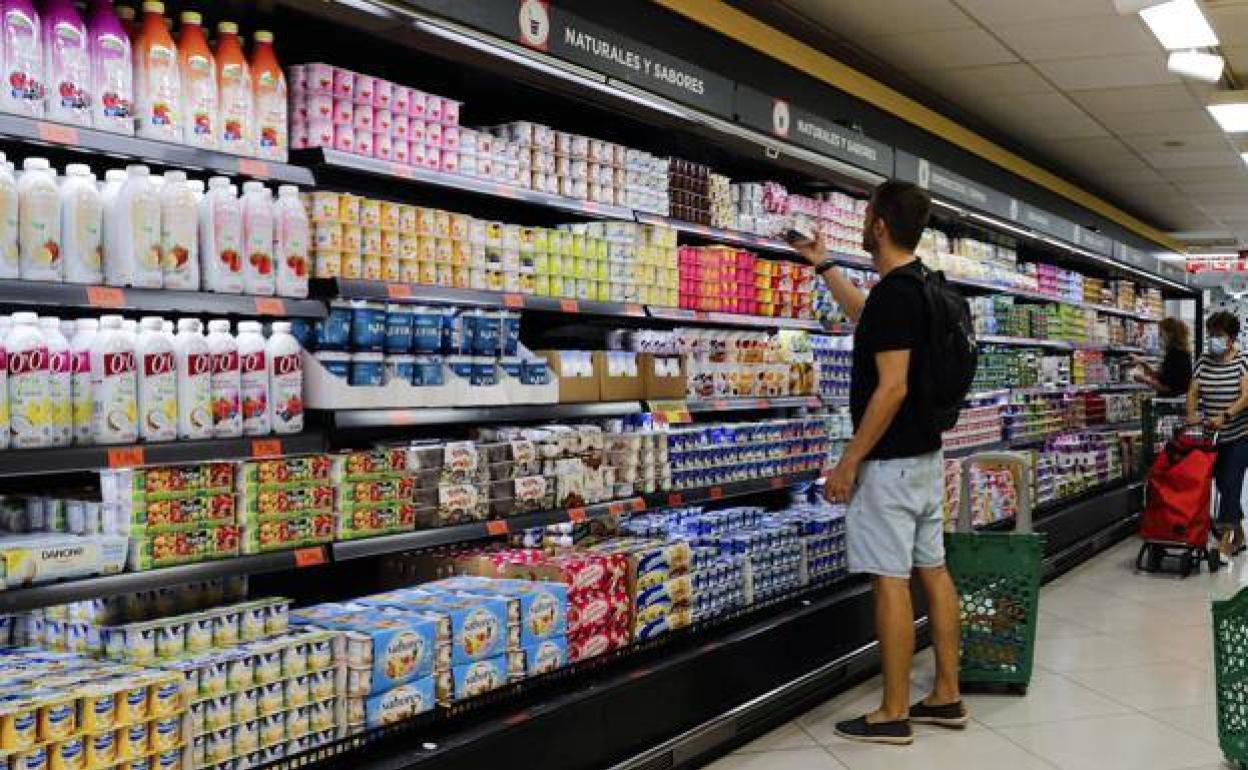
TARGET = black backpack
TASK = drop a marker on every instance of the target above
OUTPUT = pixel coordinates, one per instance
(952, 354)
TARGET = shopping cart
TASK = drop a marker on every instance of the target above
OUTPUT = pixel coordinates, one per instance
(997, 575)
(1176, 521)
(1230, 666)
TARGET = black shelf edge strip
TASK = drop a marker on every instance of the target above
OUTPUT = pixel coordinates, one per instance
(105, 299)
(358, 419)
(746, 404)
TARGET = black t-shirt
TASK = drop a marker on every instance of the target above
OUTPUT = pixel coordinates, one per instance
(893, 319)
(1175, 374)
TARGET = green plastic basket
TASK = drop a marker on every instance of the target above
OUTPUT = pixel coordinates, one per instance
(1230, 665)
(997, 575)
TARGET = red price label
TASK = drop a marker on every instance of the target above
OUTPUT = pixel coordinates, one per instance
(513, 301)
(764, 403)
(270, 306)
(637, 504)
(616, 509)
(125, 457)
(399, 290)
(266, 447)
(403, 417)
(253, 167)
(634, 310)
(497, 527)
(402, 170)
(106, 296)
(569, 306)
(779, 481)
(675, 498)
(719, 405)
(576, 515)
(310, 557)
(717, 493)
(55, 132)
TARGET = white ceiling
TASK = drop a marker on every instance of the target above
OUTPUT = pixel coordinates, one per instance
(1075, 83)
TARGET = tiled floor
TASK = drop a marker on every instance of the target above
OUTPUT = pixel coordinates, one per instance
(1123, 680)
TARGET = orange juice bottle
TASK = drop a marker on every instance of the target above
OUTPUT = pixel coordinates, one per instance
(236, 132)
(270, 98)
(157, 82)
(198, 69)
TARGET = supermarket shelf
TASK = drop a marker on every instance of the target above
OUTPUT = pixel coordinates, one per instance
(18, 599)
(746, 404)
(1040, 390)
(732, 319)
(333, 159)
(44, 295)
(354, 419)
(20, 462)
(480, 530)
(91, 141)
(420, 293)
(1028, 342)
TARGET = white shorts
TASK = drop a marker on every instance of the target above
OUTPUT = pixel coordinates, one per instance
(895, 519)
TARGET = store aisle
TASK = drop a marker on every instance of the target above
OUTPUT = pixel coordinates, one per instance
(1123, 681)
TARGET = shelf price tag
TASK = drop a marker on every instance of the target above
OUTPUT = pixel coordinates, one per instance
(674, 412)
(399, 290)
(569, 306)
(634, 310)
(497, 527)
(266, 447)
(270, 306)
(513, 301)
(125, 457)
(716, 493)
(616, 509)
(719, 405)
(637, 504)
(576, 515)
(55, 132)
(253, 167)
(310, 557)
(675, 498)
(106, 296)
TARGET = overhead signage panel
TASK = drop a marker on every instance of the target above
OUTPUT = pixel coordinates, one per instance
(1043, 222)
(954, 187)
(798, 125)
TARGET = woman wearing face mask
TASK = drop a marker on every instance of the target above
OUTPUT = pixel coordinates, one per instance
(1218, 397)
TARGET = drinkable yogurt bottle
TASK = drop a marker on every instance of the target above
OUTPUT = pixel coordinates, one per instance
(27, 382)
(82, 223)
(253, 363)
(221, 237)
(59, 409)
(158, 382)
(10, 259)
(132, 231)
(194, 360)
(258, 273)
(114, 384)
(6, 325)
(80, 378)
(39, 222)
(179, 233)
(285, 379)
(227, 414)
(291, 243)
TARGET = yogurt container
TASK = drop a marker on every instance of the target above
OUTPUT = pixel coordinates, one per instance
(246, 705)
(399, 323)
(367, 370)
(426, 329)
(336, 362)
(368, 325)
(134, 740)
(400, 367)
(240, 672)
(484, 371)
(427, 370)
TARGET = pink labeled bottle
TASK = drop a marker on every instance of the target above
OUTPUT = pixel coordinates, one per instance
(199, 83)
(234, 87)
(258, 239)
(67, 63)
(157, 82)
(112, 69)
(23, 60)
(272, 141)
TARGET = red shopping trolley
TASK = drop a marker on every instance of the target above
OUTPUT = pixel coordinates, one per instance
(1176, 520)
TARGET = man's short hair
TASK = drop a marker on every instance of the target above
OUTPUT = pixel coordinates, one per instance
(904, 208)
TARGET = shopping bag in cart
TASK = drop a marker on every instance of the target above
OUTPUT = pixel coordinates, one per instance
(1176, 517)
(997, 575)
(1230, 666)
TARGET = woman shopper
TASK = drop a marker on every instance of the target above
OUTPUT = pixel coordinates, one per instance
(1219, 395)
(1174, 376)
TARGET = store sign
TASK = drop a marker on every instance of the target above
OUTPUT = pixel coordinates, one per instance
(1093, 241)
(1134, 257)
(797, 125)
(954, 187)
(1220, 264)
(1043, 222)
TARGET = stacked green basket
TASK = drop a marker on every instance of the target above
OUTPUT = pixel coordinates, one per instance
(1230, 663)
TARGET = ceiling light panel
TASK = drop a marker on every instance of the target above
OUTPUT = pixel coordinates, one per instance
(1194, 64)
(1179, 24)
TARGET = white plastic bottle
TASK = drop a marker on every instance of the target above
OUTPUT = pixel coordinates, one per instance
(39, 222)
(132, 232)
(82, 222)
(291, 243)
(194, 362)
(258, 277)
(158, 382)
(220, 238)
(114, 384)
(58, 406)
(227, 411)
(6, 325)
(117, 268)
(80, 377)
(28, 382)
(253, 363)
(285, 356)
(179, 233)
(10, 259)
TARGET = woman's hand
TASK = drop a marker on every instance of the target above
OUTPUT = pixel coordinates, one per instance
(1216, 423)
(1193, 419)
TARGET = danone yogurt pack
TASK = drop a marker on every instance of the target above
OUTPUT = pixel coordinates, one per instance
(286, 503)
(375, 490)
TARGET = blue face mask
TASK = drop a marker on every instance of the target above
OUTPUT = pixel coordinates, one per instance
(1218, 345)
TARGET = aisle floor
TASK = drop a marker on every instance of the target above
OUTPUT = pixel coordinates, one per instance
(1123, 681)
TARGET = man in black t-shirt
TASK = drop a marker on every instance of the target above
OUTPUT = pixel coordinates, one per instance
(892, 473)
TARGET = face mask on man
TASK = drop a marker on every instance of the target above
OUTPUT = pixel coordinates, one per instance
(1218, 345)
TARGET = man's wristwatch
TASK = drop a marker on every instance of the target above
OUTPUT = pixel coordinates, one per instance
(825, 266)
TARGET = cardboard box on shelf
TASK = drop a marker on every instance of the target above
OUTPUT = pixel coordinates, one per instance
(619, 376)
(577, 373)
(663, 377)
